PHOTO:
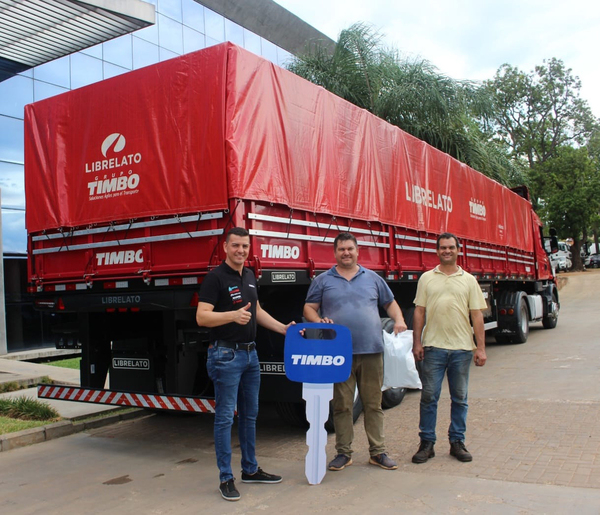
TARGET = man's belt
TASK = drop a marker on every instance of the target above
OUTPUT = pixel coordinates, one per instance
(237, 346)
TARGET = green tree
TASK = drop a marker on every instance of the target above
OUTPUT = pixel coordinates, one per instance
(539, 112)
(571, 186)
(412, 95)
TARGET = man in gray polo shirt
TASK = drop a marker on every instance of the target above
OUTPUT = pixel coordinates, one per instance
(351, 295)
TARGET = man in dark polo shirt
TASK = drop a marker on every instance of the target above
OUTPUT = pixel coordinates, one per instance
(228, 304)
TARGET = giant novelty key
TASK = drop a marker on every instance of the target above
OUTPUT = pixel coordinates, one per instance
(317, 397)
(318, 363)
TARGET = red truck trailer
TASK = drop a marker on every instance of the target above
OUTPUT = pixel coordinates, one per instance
(131, 184)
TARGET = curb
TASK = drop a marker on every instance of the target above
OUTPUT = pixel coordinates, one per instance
(63, 428)
(35, 381)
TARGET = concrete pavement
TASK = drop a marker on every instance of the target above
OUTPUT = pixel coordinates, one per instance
(29, 374)
(534, 431)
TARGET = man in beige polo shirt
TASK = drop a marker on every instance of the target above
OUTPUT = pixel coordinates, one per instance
(450, 297)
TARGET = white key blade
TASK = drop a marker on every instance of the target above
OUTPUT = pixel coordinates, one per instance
(317, 397)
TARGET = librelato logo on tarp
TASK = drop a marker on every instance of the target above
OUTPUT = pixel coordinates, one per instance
(114, 175)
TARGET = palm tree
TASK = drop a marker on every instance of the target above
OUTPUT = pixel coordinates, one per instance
(411, 94)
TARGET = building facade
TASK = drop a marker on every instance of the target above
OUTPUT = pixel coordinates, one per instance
(182, 26)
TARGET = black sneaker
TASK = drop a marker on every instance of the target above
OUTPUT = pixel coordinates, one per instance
(228, 490)
(260, 476)
(459, 451)
(384, 461)
(424, 453)
(341, 461)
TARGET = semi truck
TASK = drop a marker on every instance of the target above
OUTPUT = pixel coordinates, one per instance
(131, 184)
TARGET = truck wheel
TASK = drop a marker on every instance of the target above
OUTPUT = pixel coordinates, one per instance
(550, 320)
(292, 413)
(503, 338)
(391, 397)
(522, 332)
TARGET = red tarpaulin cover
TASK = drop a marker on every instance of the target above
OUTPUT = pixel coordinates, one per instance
(181, 124)
(146, 143)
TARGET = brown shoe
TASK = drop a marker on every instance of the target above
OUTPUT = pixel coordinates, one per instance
(424, 453)
(459, 451)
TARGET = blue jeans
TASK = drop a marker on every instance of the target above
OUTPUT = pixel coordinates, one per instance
(454, 363)
(236, 378)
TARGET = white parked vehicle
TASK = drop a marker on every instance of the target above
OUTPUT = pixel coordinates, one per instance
(562, 259)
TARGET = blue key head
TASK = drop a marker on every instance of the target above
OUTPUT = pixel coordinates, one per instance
(309, 360)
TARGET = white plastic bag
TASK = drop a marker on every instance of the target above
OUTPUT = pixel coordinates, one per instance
(399, 370)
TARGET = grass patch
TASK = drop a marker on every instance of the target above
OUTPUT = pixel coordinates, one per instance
(26, 408)
(66, 363)
(12, 425)
(13, 386)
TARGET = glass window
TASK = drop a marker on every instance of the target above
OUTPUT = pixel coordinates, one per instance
(149, 33)
(43, 90)
(27, 73)
(110, 70)
(170, 35)
(215, 25)
(234, 33)
(283, 57)
(170, 8)
(14, 94)
(252, 42)
(118, 51)
(85, 70)
(166, 54)
(11, 139)
(269, 50)
(192, 40)
(211, 42)
(12, 183)
(193, 15)
(14, 235)
(144, 53)
(94, 51)
(55, 72)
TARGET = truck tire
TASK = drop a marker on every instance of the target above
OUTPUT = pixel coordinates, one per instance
(550, 320)
(392, 397)
(519, 325)
(294, 413)
(522, 323)
(356, 411)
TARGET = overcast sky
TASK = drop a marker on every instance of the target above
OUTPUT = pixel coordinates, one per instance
(471, 39)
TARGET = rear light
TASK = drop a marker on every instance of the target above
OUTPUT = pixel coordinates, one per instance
(175, 281)
(511, 311)
(194, 300)
(60, 305)
(111, 285)
(123, 310)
